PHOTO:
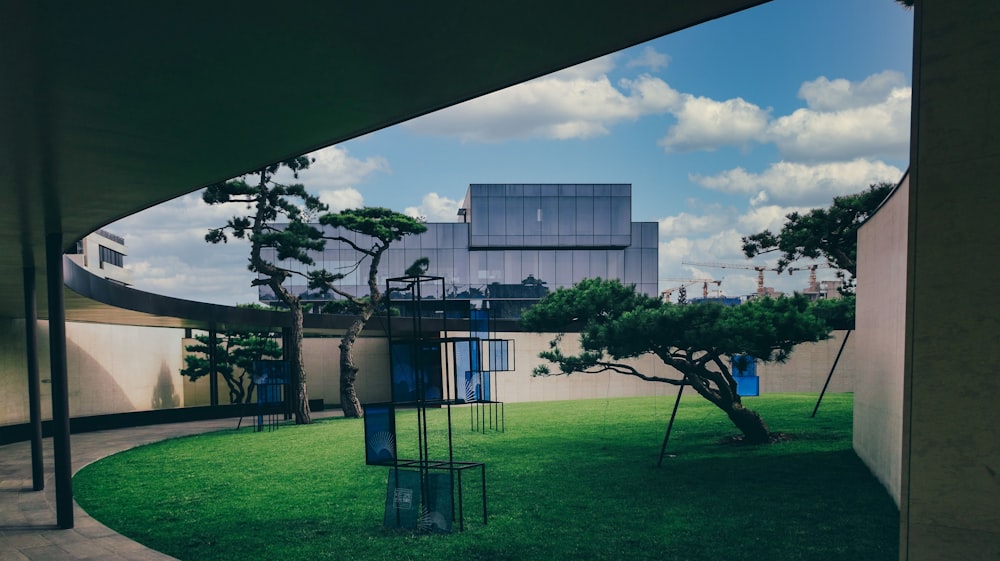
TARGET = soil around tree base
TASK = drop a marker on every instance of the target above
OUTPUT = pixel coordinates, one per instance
(740, 439)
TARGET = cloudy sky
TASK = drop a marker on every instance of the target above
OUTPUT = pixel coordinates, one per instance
(721, 129)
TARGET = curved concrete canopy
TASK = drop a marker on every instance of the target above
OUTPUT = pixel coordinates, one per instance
(112, 107)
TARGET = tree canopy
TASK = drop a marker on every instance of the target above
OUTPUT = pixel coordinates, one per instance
(380, 227)
(277, 218)
(696, 340)
(829, 233)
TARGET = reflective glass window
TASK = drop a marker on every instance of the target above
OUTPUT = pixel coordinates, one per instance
(480, 223)
(602, 190)
(498, 219)
(567, 217)
(564, 268)
(567, 190)
(532, 190)
(444, 235)
(584, 215)
(633, 265)
(547, 267)
(549, 216)
(598, 264)
(649, 266)
(460, 268)
(584, 190)
(512, 273)
(615, 260)
(621, 216)
(602, 216)
(494, 260)
(531, 216)
(529, 263)
(581, 264)
(515, 216)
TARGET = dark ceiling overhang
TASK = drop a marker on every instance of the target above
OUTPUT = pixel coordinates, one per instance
(107, 108)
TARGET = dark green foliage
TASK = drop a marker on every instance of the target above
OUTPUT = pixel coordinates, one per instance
(235, 354)
(696, 340)
(828, 233)
(383, 227)
(277, 217)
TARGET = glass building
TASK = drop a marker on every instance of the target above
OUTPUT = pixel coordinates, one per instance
(511, 245)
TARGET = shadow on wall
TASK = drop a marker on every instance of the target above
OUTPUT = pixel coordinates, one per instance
(164, 396)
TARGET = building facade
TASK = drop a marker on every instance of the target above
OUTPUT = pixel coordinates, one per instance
(512, 244)
(103, 254)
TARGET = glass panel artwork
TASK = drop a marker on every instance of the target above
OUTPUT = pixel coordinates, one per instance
(413, 363)
(380, 434)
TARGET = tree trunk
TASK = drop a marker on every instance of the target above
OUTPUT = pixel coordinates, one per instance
(298, 369)
(750, 423)
(349, 401)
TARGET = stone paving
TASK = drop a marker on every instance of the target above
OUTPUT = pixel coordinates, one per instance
(28, 528)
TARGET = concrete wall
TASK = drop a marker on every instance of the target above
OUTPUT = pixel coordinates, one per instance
(111, 369)
(806, 371)
(950, 493)
(881, 330)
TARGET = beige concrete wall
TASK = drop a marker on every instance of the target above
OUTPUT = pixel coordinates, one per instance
(322, 363)
(111, 369)
(950, 493)
(881, 329)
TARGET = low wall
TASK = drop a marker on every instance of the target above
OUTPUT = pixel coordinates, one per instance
(110, 368)
(120, 369)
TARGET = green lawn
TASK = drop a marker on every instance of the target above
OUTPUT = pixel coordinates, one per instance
(574, 480)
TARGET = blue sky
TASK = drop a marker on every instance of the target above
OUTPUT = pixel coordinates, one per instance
(722, 129)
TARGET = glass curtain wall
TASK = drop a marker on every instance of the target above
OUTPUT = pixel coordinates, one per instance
(518, 242)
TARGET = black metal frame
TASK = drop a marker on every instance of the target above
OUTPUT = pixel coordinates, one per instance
(424, 465)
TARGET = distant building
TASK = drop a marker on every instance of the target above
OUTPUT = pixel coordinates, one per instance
(103, 254)
(514, 243)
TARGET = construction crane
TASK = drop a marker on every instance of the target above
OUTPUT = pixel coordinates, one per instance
(759, 268)
(682, 289)
(813, 283)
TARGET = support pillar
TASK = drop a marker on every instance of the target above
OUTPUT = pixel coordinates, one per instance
(34, 382)
(60, 380)
(950, 488)
(213, 374)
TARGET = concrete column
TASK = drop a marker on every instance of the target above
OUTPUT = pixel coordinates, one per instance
(60, 380)
(950, 495)
(34, 382)
(213, 375)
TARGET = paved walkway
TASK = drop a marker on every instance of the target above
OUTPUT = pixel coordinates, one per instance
(28, 528)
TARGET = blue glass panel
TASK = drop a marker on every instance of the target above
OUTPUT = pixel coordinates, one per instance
(380, 434)
(747, 386)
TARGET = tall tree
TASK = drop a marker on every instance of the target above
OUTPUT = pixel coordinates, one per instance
(380, 227)
(235, 353)
(830, 233)
(277, 218)
(616, 323)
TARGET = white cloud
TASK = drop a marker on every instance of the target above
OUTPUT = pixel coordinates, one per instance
(435, 208)
(650, 58)
(844, 120)
(580, 103)
(823, 94)
(342, 199)
(704, 124)
(793, 183)
(334, 168)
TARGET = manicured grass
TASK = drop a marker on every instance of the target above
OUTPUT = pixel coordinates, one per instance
(566, 481)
